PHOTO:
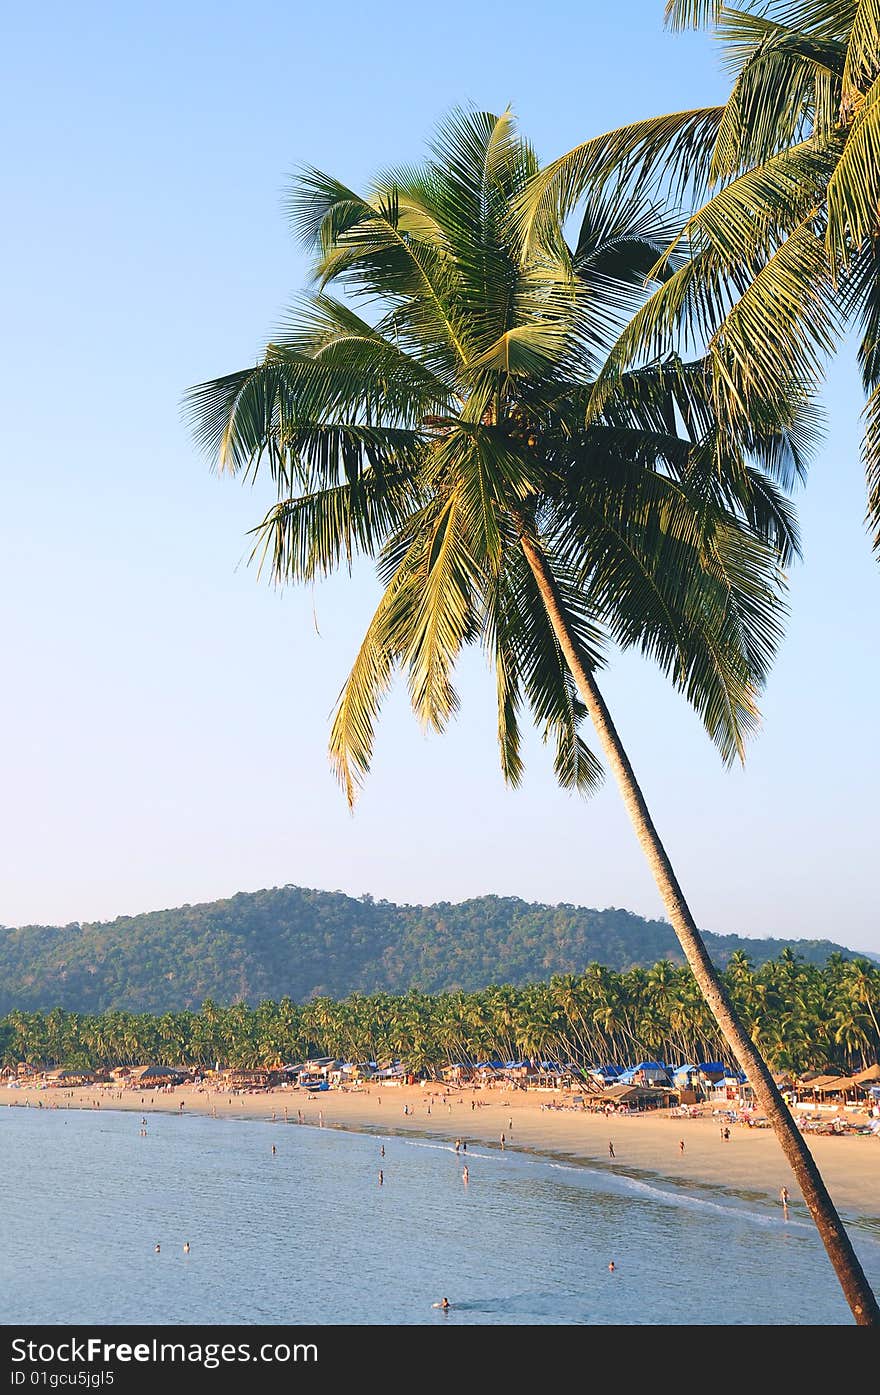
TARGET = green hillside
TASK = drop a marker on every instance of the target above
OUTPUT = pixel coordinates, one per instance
(302, 943)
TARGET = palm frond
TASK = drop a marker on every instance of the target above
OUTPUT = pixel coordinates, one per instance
(310, 535)
(854, 187)
(443, 620)
(871, 456)
(664, 149)
(692, 14)
(863, 50)
(354, 721)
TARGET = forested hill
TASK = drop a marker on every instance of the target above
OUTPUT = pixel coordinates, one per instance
(301, 943)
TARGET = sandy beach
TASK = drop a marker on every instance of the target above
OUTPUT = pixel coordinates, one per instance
(751, 1161)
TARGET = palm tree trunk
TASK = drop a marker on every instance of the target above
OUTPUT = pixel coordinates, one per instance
(856, 1288)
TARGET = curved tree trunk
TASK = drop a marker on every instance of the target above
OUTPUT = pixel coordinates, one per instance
(856, 1288)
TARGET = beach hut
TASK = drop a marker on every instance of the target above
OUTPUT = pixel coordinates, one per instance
(70, 1079)
(152, 1076)
(841, 1087)
(604, 1075)
(645, 1073)
(638, 1096)
(713, 1071)
(727, 1088)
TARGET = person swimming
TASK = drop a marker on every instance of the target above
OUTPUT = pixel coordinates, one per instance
(157, 1247)
(611, 1267)
(444, 1304)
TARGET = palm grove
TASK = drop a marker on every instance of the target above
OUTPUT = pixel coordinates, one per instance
(511, 432)
(801, 1016)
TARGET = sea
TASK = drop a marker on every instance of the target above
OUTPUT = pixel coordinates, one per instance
(309, 1235)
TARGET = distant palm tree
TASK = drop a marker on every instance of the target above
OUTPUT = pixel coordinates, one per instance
(784, 249)
(451, 437)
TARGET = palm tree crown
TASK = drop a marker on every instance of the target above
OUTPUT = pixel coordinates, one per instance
(783, 250)
(456, 418)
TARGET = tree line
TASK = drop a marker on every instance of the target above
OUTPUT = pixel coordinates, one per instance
(801, 1016)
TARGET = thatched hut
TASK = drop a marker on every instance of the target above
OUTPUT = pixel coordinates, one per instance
(152, 1076)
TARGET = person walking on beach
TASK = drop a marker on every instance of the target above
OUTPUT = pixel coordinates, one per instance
(610, 1149)
(502, 1141)
(681, 1145)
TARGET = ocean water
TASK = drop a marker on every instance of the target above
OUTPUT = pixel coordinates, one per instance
(309, 1236)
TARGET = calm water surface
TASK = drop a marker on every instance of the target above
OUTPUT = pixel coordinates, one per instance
(309, 1236)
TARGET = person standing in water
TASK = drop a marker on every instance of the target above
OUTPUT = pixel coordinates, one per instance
(186, 1247)
(381, 1177)
(465, 1176)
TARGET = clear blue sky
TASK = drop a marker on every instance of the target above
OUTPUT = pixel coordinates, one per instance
(163, 715)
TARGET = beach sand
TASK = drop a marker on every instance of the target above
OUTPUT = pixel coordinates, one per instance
(648, 1143)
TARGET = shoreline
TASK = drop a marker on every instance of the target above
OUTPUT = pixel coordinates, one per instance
(751, 1161)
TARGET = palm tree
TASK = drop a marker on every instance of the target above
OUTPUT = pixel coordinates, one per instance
(453, 437)
(784, 248)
